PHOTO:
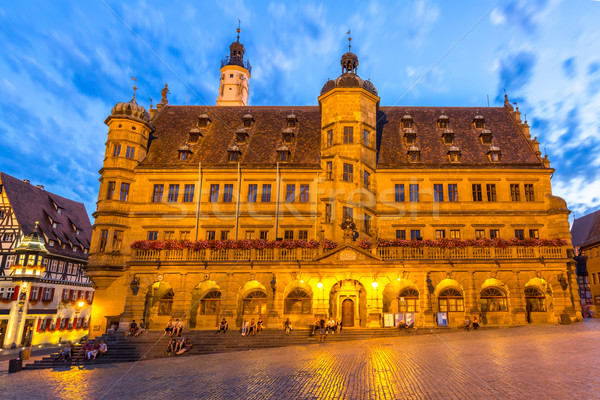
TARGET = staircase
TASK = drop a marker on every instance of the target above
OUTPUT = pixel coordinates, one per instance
(153, 344)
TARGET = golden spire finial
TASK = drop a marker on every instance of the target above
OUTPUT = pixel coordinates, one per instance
(134, 87)
(238, 29)
(349, 40)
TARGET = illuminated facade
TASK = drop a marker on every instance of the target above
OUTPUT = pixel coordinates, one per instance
(47, 309)
(346, 209)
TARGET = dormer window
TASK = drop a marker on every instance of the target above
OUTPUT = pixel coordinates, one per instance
(77, 232)
(51, 243)
(448, 136)
(234, 153)
(292, 121)
(241, 135)
(479, 122)
(410, 135)
(407, 121)
(248, 120)
(203, 121)
(184, 152)
(494, 153)
(194, 135)
(283, 153)
(59, 210)
(486, 136)
(288, 135)
(414, 154)
(454, 154)
(443, 122)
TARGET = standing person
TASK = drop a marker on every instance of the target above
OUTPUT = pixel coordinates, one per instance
(287, 326)
(322, 330)
(475, 323)
(316, 326)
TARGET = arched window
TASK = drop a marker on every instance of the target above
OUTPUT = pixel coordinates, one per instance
(210, 303)
(493, 299)
(165, 303)
(451, 300)
(534, 298)
(408, 300)
(255, 303)
(298, 301)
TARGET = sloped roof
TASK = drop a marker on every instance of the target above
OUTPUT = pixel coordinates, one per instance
(173, 124)
(31, 204)
(586, 230)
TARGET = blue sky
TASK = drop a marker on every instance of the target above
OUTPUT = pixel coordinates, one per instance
(63, 66)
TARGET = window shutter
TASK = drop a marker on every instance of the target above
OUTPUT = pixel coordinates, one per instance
(42, 293)
(39, 324)
(57, 323)
(16, 293)
(52, 295)
(75, 323)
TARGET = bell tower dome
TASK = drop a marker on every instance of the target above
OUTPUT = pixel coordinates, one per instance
(235, 76)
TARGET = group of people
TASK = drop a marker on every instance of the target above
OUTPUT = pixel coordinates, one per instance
(331, 326)
(471, 323)
(178, 345)
(402, 325)
(90, 350)
(136, 330)
(251, 327)
(173, 329)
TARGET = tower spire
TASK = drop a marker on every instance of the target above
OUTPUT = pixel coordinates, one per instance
(239, 30)
(349, 40)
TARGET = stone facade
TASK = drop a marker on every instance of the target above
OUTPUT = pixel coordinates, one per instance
(271, 173)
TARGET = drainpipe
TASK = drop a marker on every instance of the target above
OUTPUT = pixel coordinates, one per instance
(277, 205)
(237, 203)
(199, 184)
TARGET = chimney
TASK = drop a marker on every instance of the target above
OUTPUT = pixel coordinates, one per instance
(26, 181)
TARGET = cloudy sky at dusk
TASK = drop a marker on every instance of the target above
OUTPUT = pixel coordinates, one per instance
(64, 65)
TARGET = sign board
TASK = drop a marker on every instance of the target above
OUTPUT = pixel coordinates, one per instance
(397, 318)
(409, 318)
(442, 319)
(388, 320)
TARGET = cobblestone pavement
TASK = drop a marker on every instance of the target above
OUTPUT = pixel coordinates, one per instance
(530, 362)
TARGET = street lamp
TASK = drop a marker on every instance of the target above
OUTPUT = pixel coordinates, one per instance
(28, 269)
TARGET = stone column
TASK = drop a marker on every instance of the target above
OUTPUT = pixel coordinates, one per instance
(431, 309)
(472, 305)
(518, 301)
(374, 305)
(181, 299)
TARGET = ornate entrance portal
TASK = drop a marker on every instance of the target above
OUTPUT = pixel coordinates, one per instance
(348, 313)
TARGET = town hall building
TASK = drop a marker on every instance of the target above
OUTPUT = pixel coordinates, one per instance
(348, 209)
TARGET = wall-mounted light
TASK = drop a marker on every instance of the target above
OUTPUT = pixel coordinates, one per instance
(429, 285)
(273, 283)
(135, 285)
(375, 284)
(320, 285)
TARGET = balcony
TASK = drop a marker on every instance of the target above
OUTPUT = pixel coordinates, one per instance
(470, 253)
(239, 61)
(302, 254)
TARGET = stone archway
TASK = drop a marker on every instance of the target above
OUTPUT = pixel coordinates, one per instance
(203, 314)
(348, 302)
(155, 312)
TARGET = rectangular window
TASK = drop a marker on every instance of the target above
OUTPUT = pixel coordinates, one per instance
(491, 191)
(438, 192)
(454, 234)
(494, 233)
(401, 234)
(348, 212)
(348, 172)
(304, 193)
(529, 192)
(214, 193)
(116, 150)
(479, 233)
(184, 235)
(266, 193)
(103, 240)
(124, 195)
(153, 235)
(534, 233)
(117, 240)
(130, 152)
(110, 194)
(367, 223)
(329, 170)
(173, 193)
(399, 193)
(440, 233)
(303, 235)
(348, 134)
(520, 233)
(452, 192)
(158, 193)
(249, 235)
(413, 192)
(327, 213)
(477, 192)
(288, 235)
(415, 234)
(169, 235)
(228, 192)
(224, 235)
(264, 235)
(290, 193)
(366, 179)
(329, 137)
(367, 138)
(188, 194)
(515, 193)
(252, 192)
(210, 235)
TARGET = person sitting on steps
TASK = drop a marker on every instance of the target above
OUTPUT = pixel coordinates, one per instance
(467, 324)
(133, 327)
(169, 328)
(287, 327)
(259, 325)
(177, 328)
(223, 326)
(245, 325)
(252, 328)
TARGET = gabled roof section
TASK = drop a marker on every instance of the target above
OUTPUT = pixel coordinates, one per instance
(31, 204)
(348, 252)
(586, 230)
